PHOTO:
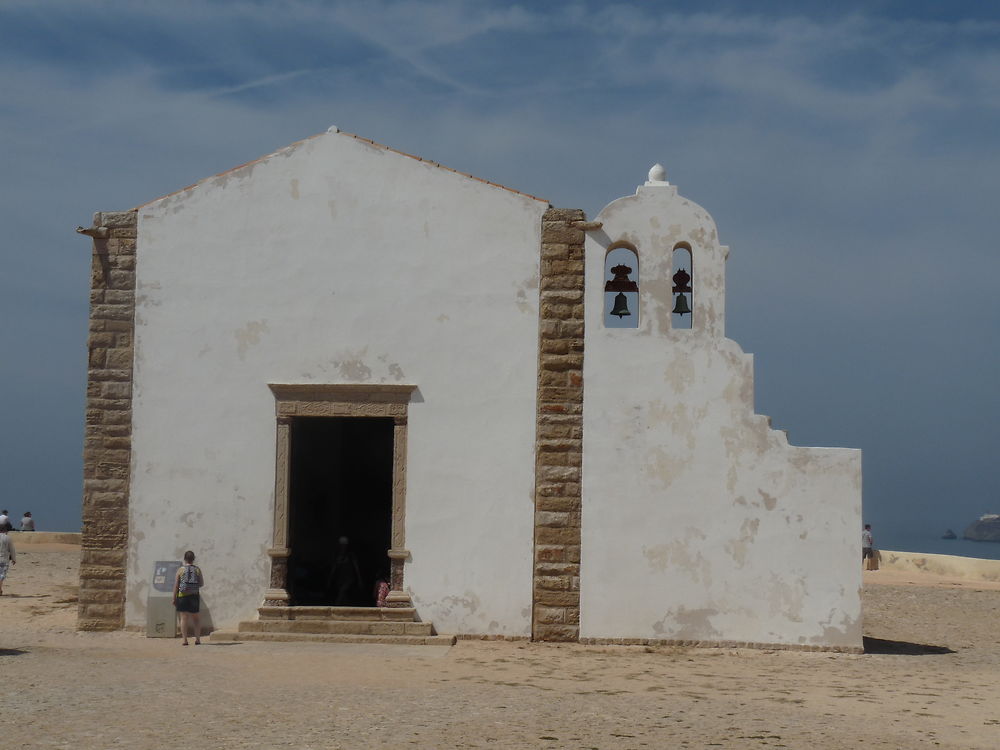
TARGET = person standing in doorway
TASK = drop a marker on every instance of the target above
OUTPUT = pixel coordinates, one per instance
(345, 576)
(867, 542)
(7, 555)
(187, 597)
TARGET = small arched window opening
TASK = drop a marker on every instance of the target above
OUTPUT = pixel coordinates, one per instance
(683, 293)
(621, 288)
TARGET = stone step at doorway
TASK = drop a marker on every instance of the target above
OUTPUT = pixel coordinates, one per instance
(336, 625)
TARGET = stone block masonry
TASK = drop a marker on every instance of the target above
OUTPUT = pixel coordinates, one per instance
(108, 434)
(559, 429)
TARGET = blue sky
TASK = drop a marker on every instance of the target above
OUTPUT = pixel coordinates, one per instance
(849, 152)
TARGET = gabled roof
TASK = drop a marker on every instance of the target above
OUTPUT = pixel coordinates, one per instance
(337, 131)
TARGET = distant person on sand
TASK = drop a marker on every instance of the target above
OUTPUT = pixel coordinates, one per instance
(867, 542)
(7, 555)
(27, 522)
(187, 597)
(4, 517)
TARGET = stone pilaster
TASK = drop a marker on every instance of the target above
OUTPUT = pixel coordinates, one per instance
(559, 429)
(107, 450)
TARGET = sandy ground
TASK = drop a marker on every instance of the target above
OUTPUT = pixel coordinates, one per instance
(931, 678)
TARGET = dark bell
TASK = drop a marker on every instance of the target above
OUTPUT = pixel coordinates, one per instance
(621, 306)
(681, 306)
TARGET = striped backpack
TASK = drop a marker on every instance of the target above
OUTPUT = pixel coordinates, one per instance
(189, 580)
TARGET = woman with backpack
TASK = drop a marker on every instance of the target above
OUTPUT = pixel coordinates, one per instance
(187, 597)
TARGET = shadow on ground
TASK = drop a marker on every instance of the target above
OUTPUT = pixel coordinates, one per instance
(882, 646)
(11, 652)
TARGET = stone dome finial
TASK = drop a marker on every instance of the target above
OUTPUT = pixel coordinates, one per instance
(657, 175)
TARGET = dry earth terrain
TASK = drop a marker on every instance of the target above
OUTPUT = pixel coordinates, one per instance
(931, 678)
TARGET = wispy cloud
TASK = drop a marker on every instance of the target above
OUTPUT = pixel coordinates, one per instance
(850, 157)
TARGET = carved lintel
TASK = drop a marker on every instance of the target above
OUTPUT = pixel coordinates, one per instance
(325, 396)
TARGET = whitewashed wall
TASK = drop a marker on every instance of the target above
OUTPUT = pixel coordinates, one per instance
(699, 522)
(338, 261)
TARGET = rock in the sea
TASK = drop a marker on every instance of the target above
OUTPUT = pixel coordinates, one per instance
(986, 529)
(949, 534)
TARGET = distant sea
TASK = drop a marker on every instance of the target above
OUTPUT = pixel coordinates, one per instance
(912, 541)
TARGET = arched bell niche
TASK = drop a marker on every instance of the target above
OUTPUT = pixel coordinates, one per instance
(621, 287)
(682, 276)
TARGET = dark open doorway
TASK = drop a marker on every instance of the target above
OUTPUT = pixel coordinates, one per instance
(340, 486)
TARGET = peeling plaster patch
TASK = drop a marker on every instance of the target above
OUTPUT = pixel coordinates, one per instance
(396, 372)
(248, 336)
(678, 416)
(663, 467)
(680, 374)
(658, 557)
(732, 476)
(679, 557)
(242, 173)
(470, 603)
(847, 634)
(144, 300)
(739, 548)
(695, 621)
(770, 501)
(740, 500)
(138, 591)
(521, 300)
(442, 318)
(295, 189)
(190, 518)
(689, 624)
(352, 366)
(332, 205)
(738, 392)
(786, 599)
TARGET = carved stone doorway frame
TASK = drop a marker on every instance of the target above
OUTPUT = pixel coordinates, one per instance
(309, 400)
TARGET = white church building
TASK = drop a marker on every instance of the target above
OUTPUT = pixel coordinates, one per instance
(341, 364)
